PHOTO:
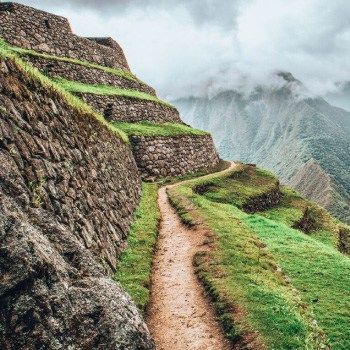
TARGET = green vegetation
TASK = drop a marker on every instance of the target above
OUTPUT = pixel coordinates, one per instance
(37, 189)
(35, 75)
(108, 90)
(266, 278)
(134, 268)
(115, 71)
(152, 129)
(242, 185)
(318, 271)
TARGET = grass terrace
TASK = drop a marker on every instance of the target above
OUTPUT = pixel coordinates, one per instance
(151, 129)
(134, 267)
(273, 286)
(114, 71)
(33, 73)
(78, 87)
(242, 185)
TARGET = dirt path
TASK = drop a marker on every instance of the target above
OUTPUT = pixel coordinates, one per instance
(180, 316)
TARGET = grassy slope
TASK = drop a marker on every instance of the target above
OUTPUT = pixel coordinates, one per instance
(134, 268)
(241, 186)
(36, 75)
(318, 271)
(280, 278)
(152, 129)
(115, 71)
(108, 90)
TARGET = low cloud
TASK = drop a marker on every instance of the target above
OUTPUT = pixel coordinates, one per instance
(198, 47)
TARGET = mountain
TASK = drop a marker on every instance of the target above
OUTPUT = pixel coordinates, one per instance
(341, 97)
(304, 140)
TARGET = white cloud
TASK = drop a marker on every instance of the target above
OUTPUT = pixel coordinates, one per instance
(192, 47)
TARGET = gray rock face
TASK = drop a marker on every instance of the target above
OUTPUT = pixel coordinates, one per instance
(53, 294)
(72, 166)
(68, 188)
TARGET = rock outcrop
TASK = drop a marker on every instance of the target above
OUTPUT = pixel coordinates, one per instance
(264, 201)
(68, 189)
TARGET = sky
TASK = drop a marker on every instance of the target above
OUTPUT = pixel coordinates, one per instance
(199, 47)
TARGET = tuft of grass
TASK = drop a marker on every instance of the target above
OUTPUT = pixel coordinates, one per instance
(108, 90)
(35, 75)
(134, 267)
(287, 288)
(37, 188)
(114, 71)
(182, 208)
(152, 129)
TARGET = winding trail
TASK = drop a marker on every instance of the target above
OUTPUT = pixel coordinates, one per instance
(180, 316)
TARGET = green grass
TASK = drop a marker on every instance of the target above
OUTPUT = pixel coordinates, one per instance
(291, 210)
(114, 71)
(291, 289)
(134, 268)
(243, 184)
(152, 129)
(107, 90)
(34, 74)
(318, 271)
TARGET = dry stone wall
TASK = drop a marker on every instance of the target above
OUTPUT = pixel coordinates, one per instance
(68, 188)
(72, 166)
(29, 28)
(173, 156)
(117, 108)
(86, 75)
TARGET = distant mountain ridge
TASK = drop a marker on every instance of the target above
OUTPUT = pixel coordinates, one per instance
(304, 140)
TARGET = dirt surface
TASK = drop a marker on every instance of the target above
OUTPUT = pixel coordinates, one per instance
(180, 316)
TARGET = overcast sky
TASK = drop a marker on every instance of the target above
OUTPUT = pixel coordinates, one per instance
(192, 47)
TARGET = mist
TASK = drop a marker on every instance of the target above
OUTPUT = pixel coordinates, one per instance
(194, 47)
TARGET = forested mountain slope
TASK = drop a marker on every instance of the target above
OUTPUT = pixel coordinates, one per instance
(303, 140)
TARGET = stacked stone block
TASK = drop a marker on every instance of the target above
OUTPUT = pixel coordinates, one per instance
(87, 75)
(173, 156)
(132, 110)
(29, 28)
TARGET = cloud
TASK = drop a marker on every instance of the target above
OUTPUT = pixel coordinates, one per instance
(220, 12)
(192, 47)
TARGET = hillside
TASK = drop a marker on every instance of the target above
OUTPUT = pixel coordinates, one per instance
(78, 132)
(274, 264)
(305, 141)
(122, 229)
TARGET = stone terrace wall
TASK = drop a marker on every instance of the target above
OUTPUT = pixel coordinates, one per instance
(29, 28)
(68, 187)
(173, 156)
(78, 170)
(132, 110)
(86, 75)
